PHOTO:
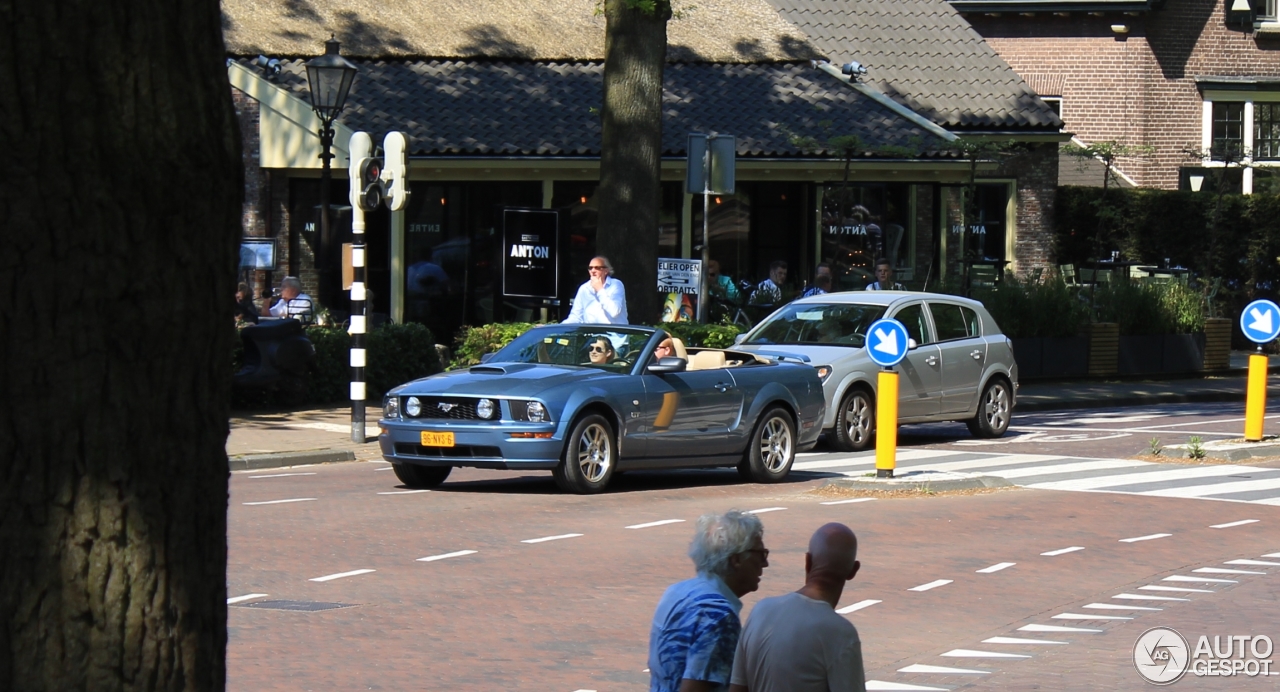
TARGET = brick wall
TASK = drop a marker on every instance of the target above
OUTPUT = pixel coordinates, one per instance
(1036, 170)
(1139, 90)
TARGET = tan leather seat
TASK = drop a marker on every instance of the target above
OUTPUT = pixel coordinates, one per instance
(678, 350)
(707, 360)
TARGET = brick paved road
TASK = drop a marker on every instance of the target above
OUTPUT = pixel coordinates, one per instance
(573, 613)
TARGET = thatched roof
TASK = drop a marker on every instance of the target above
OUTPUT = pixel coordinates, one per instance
(734, 31)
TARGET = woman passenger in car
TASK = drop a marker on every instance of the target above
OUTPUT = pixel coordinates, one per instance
(601, 351)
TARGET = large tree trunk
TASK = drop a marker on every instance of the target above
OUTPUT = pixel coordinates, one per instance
(630, 194)
(120, 197)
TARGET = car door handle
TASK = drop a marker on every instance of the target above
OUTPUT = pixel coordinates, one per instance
(977, 355)
(723, 387)
(931, 360)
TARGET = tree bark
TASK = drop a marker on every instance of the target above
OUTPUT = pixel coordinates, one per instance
(630, 194)
(120, 199)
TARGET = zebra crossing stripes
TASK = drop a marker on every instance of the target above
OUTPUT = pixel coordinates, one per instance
(1224, 482)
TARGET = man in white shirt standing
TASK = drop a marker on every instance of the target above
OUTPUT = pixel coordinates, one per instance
(797, 642)
(601, 299)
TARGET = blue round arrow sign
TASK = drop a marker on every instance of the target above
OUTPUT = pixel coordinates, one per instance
(1260, 321)
(887, 342)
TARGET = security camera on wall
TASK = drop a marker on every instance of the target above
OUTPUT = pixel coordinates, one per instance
(853, 69)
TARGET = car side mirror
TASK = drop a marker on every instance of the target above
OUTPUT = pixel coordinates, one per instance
(739, 338)
(912, 345)
(486, 357)
(668, 364)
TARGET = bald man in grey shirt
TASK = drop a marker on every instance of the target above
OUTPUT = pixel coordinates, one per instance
(797, 642)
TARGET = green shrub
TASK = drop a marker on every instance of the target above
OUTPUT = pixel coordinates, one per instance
(473, 342)
(1151, 308)
(704, 335)
(1047, 307)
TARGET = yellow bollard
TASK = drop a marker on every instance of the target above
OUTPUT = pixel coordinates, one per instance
(1255, 403)
(886, 424)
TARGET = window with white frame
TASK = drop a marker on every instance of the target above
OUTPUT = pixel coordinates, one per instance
(1266, 130)
(1266, 10)
(1228, 131)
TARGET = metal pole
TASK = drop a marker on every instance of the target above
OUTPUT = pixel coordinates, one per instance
(357, 328)
(886, 423)
(1255, 403)
(706, 246)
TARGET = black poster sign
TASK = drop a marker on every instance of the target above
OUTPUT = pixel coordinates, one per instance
(530, 253)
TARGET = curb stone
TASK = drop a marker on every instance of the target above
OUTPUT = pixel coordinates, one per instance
(907, 483)
(250, 462)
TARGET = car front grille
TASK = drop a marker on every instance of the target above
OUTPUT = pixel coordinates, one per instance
(458, 452)
(450, 408)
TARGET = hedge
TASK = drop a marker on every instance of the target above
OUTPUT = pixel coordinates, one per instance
(473, 342)
(397, 353)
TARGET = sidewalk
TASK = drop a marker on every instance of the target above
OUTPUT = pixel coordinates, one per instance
(316, 436)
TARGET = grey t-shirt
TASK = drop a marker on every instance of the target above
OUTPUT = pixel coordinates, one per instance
(793, 643)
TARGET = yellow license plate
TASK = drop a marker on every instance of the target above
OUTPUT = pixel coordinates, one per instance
(437, 439)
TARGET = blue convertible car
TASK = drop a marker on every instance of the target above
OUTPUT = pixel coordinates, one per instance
(585, 401)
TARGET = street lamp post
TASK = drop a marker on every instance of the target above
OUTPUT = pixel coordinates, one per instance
(329, 78)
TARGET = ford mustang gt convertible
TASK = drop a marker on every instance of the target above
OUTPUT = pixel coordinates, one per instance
(587, 401)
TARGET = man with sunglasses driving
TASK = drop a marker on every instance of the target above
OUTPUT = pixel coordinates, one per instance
(601, 299)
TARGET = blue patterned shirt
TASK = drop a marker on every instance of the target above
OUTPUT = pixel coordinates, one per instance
(694, 634)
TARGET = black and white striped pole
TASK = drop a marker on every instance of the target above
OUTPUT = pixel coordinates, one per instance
(374, 180)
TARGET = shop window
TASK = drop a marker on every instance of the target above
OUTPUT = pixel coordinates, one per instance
(862, 222)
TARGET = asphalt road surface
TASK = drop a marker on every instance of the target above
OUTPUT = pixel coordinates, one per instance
(339, 578)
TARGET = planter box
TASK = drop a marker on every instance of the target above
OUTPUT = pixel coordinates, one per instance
(1161, 354)
(1051, 356)
(1104, 348)
(1217, 343)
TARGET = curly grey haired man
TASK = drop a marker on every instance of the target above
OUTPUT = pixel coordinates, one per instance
(695, 629)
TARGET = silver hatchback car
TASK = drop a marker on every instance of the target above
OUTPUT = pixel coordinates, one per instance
(959, 366)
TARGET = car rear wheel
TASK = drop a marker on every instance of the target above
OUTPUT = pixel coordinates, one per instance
(993, 410)
(855, 422)
(589, 457)
(421, 476)
(772, 449)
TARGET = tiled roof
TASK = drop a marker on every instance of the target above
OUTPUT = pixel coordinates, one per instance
(1056, 5)
(925, 55)
(474, 108)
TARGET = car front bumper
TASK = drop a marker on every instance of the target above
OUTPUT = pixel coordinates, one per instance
(485, 446)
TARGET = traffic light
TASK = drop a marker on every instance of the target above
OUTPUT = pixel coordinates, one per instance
(396, 174)
(371, 186)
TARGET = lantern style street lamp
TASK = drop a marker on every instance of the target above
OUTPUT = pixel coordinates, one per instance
(329, 77)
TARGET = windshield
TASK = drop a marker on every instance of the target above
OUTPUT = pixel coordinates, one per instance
(818, 323)
(607, 348)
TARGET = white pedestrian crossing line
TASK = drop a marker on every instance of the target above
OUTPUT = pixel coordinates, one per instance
(1049, 472)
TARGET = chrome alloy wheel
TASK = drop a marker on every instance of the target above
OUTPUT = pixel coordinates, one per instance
(995, 407)
(595, 452)
(857, 420)
(775, 444)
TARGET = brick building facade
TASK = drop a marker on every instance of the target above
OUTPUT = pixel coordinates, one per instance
(1141, 73)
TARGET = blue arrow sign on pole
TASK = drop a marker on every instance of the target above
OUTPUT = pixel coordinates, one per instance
(1260, 321)
(887, 342)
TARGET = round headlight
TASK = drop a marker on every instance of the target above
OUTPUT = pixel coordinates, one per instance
(536, 412)
(485, 408)
(413, 406)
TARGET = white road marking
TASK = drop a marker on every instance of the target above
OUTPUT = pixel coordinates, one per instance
(369, 431)
(884, 686)
(651, 524)
(1053, 628)
(343, 575)
(1218, 489)
(942, 670)
(996, 567)
(282, 475)
(1144, 597)
(1074, 467)
(280, 502)
(971, 653)
(1063, 551)
(385, 468)
(1113, 606)
(931, 585)
(1088, 616)
(246, 597)
(766, 509)
(1175, 588)
(846, 502)
(1097, 482)
(1253, 563)
(1130, 431)
(1178, 577)
(830, 464)
(1218, 570)
(1019, 640)
(446, 556)
(551, 538)
(1152, 537)
(405, 492)
(1242, 522)
(1272, 555)
(584, 691)
(985, 463)
(857, 606)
